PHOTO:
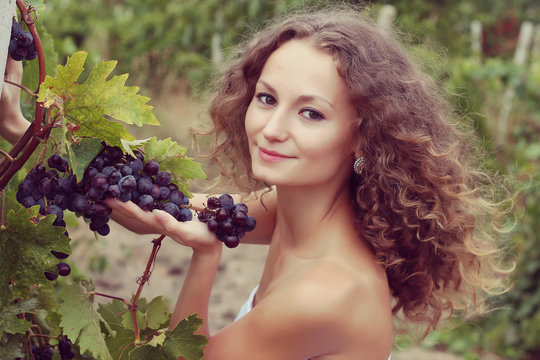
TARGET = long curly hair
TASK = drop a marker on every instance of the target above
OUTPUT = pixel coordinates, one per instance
(419, 201)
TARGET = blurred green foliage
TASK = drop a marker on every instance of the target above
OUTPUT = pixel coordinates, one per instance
(157, 41)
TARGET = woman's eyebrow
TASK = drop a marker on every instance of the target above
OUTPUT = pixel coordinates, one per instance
(301, 98)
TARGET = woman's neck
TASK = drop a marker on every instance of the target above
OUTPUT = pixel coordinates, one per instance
(304, 213)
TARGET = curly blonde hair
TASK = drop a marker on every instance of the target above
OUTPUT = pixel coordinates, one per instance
(419, 201)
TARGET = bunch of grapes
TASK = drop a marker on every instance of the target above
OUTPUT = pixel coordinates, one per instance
(46, 351)
(229, 221)
(21, 44)
(49, 188)
(113, 174)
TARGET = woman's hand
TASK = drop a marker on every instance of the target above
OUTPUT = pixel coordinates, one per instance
(12, 122)
(194, 234)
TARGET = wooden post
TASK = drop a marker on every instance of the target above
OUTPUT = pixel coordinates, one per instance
(387, 16)
(476, 39)
(520, 59)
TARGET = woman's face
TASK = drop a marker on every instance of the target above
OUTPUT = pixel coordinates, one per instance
(299, 122)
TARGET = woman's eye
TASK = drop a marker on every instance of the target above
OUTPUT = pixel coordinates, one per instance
(312, 114)
(266, 99)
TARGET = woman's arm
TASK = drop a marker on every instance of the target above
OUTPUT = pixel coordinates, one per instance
(12, 122)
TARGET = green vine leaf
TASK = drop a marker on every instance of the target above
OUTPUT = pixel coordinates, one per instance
(9, 323)
(25, 251)
(179, 342)
(81, 322)
(11, 348)
(170, 156)
(94, 102)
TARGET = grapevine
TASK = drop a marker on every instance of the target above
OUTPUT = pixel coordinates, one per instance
(75, 154)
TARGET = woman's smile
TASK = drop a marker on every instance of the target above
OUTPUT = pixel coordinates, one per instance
(272, 156)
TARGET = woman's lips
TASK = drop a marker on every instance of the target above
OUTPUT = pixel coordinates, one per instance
(272, 156)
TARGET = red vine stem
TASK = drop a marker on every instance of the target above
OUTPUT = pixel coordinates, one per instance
(28, 143)
(144, 278)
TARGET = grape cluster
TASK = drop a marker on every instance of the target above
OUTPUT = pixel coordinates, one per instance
(46, 351)
(21, 44)
(113, 174)
(229, 221)
(50, 189)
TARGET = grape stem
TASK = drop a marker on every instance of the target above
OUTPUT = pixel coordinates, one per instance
(30, 92)
(142, 280)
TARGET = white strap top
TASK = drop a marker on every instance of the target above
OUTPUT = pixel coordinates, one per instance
(248, 305)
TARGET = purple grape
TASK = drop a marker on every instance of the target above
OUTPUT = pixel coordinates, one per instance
(50, 276)
(231, 241)
(185, 215)
(163, 178)
(213, 225)
(227, 202)
(127, 184)
(79, 204)
(63, 269)
(239, 218)
(156, 192)
(103, 230)
(145, 185)
(100, 182)
(151, 167)
(213, 203)
(222, 215)
(250, 224)
(59, 255)
(177, 197)
(146, 202)
(115, 177)
(15, 29)
(25, 39)
(113, 191)
(164, 193)
(172, 209)
(136, 165)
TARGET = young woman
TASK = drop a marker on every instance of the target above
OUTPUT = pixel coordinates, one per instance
(370, 205)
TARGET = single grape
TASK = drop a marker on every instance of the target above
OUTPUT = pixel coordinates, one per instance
(79, 204)
(222, 215)
(124, 197)
(116, 153)
(185, 215)
(227, 202)
(226, 227)
(50, 276)
(25, 39)
(28, 202)
(115, 177)
(101, 209)
(239, 218)
(65, 185)
(113, 191)
(17, 52)
(46, 186)
(213, 225)
(15, 29)
(136, 165)
(61, 200)
(56, 210)
(231, 241)
(177, 197)
(46, 354)
(145, 185)
(100, 182)
(156, 192)
(59, 255)
(94, 194)
(127, 184)
(126, 170)
(63, 269)
(108, 170)
(240, 207)
(213, 203)
(172, 209)
(103, 230)
(151, 167)
(250, 224)
(163, 178)
(164, 193)
(146, 202)
(31, 52)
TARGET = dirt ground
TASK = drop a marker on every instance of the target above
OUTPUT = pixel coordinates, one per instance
(125, 255)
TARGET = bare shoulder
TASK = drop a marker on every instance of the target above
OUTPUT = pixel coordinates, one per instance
(324, 310)
(350, 308)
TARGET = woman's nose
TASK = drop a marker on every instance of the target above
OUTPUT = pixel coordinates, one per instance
(276, 127)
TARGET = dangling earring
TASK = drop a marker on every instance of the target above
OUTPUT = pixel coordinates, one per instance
(358, 165)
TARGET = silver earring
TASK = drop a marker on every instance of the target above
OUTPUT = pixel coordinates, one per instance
(358, 165)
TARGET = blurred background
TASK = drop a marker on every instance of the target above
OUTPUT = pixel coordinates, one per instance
(486, 54)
